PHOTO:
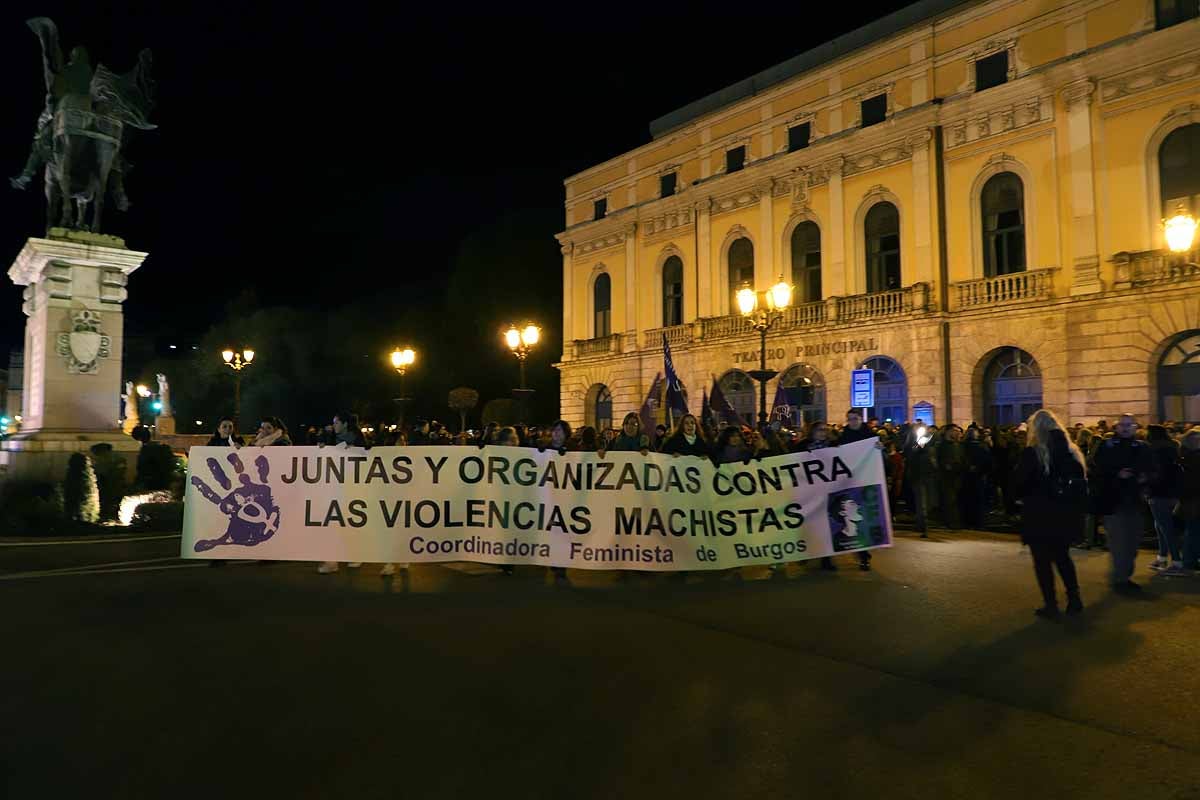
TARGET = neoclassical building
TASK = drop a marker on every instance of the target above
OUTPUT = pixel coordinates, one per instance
(967, 197)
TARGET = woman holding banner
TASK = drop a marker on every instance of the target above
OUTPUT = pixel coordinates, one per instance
(687, 439)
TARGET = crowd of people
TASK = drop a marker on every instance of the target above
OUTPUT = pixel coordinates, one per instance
(1094, 487)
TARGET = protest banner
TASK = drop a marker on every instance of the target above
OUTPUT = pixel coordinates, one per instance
(509, 505)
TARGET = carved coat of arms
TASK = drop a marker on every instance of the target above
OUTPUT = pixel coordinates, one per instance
(85, 344)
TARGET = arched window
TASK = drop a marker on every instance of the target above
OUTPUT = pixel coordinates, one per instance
(806, 262)
(1179, 169)
(804, 389)
(1003, 210)
(882, 231)
(1179, 379)
(739, 391)
(891, 390)
(597, 410)
(602, 302)
(672, 291)
(741, 268)
(1012, 387)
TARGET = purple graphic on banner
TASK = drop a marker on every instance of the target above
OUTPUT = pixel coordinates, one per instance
(856, 518)
(253, 515)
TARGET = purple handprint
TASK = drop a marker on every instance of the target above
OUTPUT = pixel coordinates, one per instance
(253, 515)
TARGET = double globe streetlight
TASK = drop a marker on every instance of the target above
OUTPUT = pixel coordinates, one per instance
(521, 341)
(762, 315)
(236, 361)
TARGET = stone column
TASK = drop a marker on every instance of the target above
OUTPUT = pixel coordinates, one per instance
(1086, 274)
(833, 275)
(764, 254)
(74, 287)
(704, 283)
(630, 234)
(923, 270)
(568, 331)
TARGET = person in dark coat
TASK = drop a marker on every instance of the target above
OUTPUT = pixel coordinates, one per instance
(226, 434)
(1189, 497)
(1123, 465)
(631, 439)
(1162, 491)
(687, 439)
(1051, 482)
(952, 466)
(855, 431)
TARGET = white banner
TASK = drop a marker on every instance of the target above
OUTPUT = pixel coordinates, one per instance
(509, 505)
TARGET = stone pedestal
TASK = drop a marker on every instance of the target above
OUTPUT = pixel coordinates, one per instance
(74, 287)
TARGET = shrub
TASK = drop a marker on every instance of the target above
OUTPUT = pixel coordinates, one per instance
(31, 508)
(156, 466)
(81, 497)
(159, 517)
(110, 479)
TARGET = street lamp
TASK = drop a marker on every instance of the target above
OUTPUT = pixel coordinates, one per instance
(402, 359)
(237, 362)
(1180, 230)
(521, 341)
(762, 316)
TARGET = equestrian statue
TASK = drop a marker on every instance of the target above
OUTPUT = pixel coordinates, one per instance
(82, 131)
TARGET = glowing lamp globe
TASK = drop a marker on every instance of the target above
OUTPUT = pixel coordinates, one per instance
(248, 355)
(1180, 231)
(512, 337)
(747, 301)
(227, 355)
(780, 296)
(530, 335)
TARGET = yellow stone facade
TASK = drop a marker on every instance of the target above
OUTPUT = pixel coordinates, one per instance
(1092, 91)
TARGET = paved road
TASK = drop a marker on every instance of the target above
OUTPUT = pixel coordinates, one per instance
(925, 678)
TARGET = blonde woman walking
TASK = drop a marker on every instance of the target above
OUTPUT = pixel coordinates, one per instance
(1051, 482)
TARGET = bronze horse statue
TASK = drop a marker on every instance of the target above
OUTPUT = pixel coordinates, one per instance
(81, 132)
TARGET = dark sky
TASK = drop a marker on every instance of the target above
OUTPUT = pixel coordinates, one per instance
(320, 156)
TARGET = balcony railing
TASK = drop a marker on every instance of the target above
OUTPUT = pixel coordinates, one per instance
(1017, 287)
(721, 327)
(806, 315)
(602, 345)
(1155, 266)
(892, 303)
(676, 335)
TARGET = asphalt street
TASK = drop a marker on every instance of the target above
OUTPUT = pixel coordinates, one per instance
(927, 677)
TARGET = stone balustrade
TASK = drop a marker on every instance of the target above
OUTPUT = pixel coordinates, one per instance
(600, 346)
(1149, 267)
(892, 303)
(676, 335)
(1016, 287)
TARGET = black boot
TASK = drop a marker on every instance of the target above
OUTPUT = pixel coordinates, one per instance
(1074, 604)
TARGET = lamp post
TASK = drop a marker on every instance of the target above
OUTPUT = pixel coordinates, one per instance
(237, 362)
(521, 341)
(1180, 231)
(762, 316)
(402, 359)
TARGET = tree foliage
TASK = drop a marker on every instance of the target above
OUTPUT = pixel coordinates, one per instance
(463, 399)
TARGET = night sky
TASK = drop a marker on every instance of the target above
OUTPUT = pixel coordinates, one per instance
(321, 160)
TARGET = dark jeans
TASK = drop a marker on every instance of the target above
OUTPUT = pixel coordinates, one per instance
(1047, 555)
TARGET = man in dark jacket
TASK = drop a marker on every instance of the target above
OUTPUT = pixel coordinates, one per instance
(855, 431)
(952, 465)
(1122, 464)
